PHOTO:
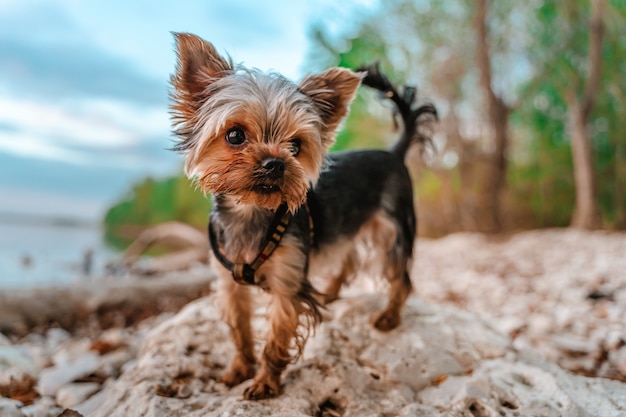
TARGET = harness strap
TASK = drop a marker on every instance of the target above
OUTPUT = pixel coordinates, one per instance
(243, 273)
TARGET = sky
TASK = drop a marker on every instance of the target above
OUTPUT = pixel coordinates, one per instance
(84, 84)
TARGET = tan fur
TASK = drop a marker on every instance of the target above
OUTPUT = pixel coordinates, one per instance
(197, 63)
(221, 170)
(332, 91)
(366, 252)
(236, 306)
(291, 315)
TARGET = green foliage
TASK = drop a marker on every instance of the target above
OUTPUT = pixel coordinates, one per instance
(155, 201)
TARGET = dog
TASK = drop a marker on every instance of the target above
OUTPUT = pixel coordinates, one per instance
(283, 208)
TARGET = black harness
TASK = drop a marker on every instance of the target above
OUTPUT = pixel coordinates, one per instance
(243, 273)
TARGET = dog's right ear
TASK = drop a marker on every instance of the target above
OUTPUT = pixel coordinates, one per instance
(198, 66)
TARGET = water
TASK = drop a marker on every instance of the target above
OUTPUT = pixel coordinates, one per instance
(44, 254)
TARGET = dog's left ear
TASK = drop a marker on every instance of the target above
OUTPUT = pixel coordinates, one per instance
(332, 92)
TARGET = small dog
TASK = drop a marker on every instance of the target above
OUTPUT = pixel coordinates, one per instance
(284, 210)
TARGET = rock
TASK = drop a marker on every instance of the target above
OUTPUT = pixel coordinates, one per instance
(572, 345)
(17, 363)
(618, 357)
(128, 366)
(56, 336)
(114, 337)
(45, 407)
(111, 363)
(9, 408)
(16, 356)
(440, 362)
(73, 394)
(74, 348)
(53, 378)
(542, 278)
(614, 339)
(70, 413)
(88, 407)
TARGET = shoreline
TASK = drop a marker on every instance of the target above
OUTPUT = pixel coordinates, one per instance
(31, 219)
(23, 310)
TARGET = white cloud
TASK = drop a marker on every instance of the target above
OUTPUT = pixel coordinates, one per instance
(31, 146)
(137, 121)
(77, 132)
(57, 123)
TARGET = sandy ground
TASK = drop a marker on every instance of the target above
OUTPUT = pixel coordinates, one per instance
(558, 293)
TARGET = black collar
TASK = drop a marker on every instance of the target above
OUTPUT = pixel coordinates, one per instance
(243, 273)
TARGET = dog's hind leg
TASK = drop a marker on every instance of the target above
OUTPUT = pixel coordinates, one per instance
(399, 291)
(331, 293)
(398, 250)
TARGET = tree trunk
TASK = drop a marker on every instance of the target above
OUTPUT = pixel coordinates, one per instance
(498, 115)
(586, 214)
(620, 186)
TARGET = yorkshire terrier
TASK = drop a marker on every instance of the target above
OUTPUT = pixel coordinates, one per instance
(284, 210)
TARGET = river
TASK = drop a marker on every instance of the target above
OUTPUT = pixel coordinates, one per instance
(43, 253)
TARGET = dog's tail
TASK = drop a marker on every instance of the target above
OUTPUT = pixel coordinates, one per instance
(412, 118)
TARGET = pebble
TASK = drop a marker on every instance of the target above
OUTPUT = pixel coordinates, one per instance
(614, 339)
(55, 337)
(4, 341)
(9, 408)
(572, 345)
(115, 336)
(16, 362)
(71, 350)
(111, 363)
(90, 405)
(45, 407)
(75, 393)
(618, 357)
(51, 379)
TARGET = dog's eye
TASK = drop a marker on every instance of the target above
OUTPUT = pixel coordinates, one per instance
(235, 136)
(295, 145)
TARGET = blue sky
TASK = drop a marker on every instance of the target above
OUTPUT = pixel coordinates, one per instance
(83, 87)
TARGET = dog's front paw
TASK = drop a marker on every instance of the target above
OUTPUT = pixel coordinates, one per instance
(239, 371)
(261, 389)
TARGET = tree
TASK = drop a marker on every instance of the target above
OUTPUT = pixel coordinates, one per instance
(586, 214)
(498, 115)
(578, 50)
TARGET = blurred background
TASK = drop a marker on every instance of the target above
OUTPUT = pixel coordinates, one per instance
(531, 97)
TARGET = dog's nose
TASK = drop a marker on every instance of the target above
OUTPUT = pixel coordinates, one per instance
(274, 167)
